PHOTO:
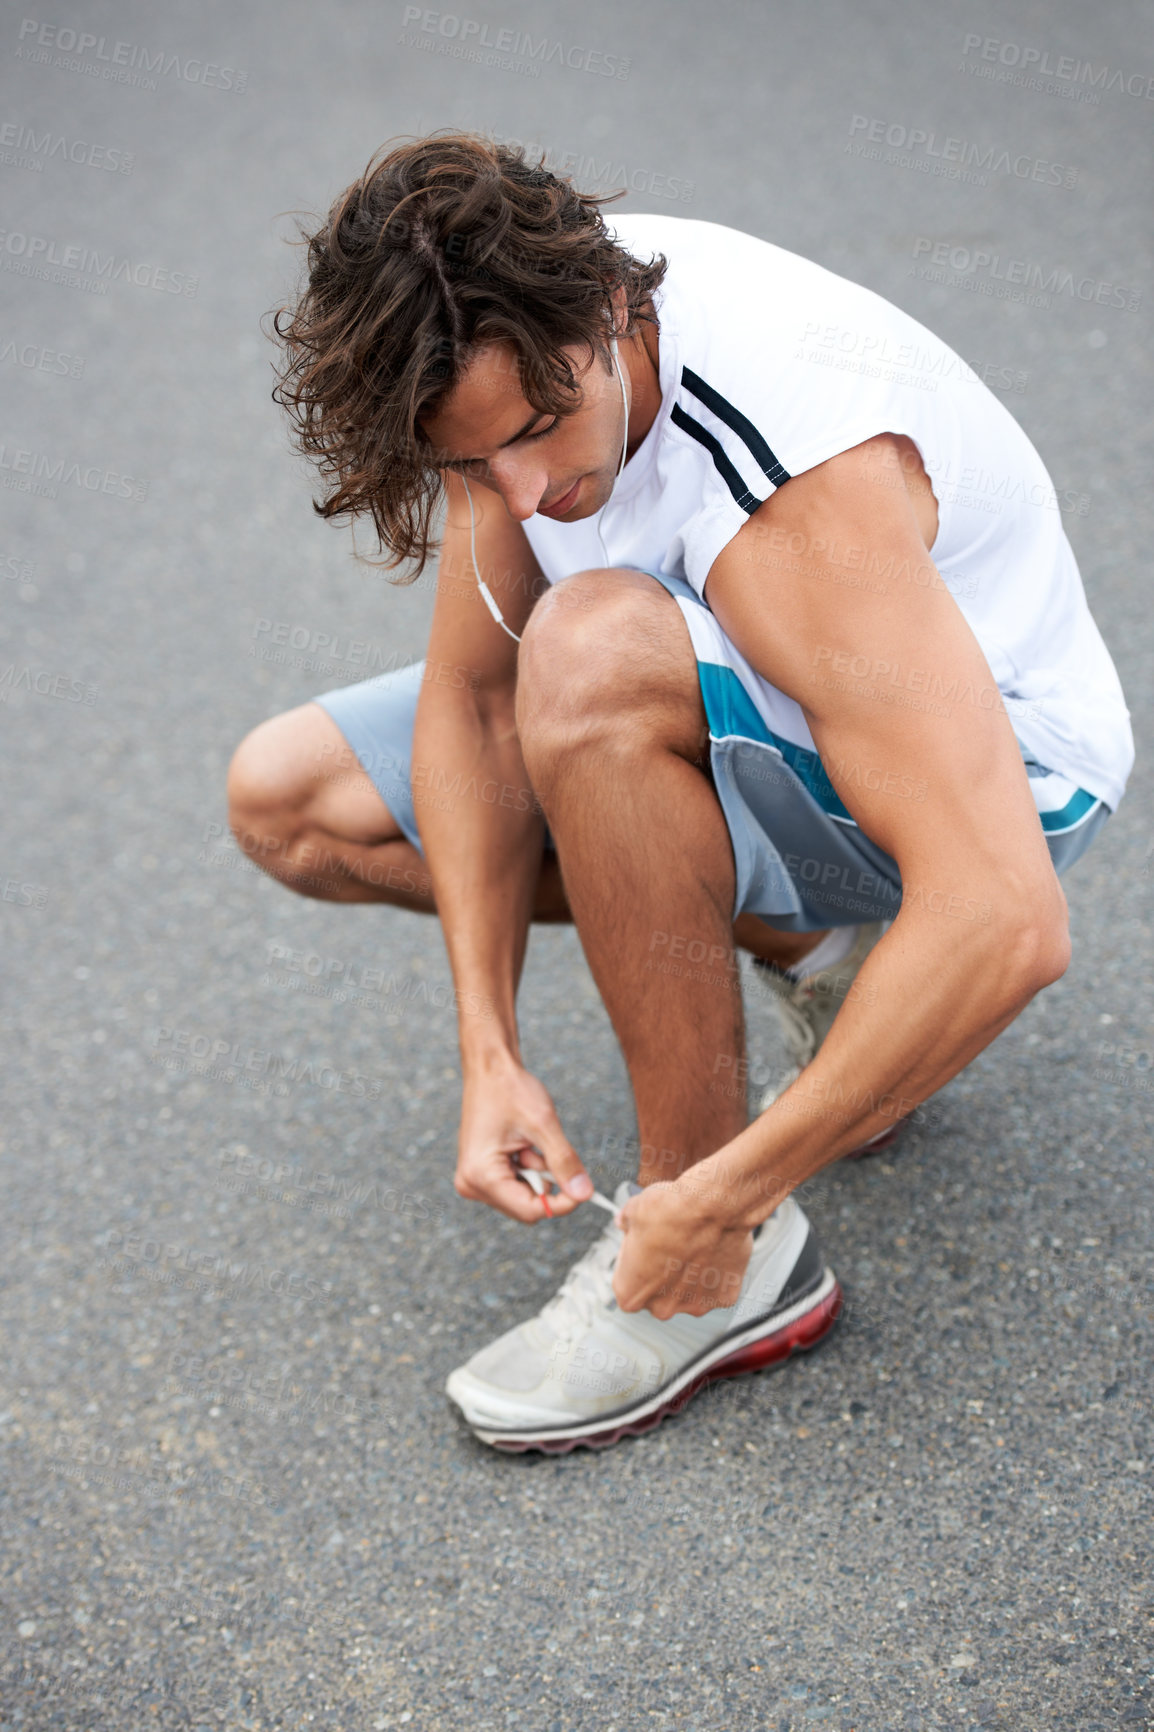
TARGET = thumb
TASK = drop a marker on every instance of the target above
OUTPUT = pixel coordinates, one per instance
(564, 1162)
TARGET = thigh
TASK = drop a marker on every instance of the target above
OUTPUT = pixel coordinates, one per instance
(800, 860)
(375, 721)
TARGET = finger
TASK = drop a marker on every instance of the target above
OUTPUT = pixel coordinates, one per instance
(508, 1195)
(623, 1292)
(539, 1183)
(565, 1164)
(514, 1198)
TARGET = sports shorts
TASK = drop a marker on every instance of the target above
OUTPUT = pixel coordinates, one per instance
(802, 862)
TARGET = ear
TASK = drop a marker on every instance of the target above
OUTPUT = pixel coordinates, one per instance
(620, 311)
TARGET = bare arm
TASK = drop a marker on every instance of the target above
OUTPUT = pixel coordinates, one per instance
(896, 692)
(482, 834)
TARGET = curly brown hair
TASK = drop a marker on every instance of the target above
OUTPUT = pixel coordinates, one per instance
(443, 245)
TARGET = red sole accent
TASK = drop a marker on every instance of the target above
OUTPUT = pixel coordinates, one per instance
(884, 1140)
(797, 1337)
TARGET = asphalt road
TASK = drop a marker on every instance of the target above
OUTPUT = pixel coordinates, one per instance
(233, 1492)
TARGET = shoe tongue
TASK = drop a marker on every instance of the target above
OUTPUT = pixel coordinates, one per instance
(626, 1189)
(549, 1319)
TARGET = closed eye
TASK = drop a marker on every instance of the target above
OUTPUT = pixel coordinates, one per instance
(477, 466)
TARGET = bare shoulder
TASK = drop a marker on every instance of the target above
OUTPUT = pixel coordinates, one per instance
(835, 557)
(831, 593)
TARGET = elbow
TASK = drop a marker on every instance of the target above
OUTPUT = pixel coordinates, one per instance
(1037, 951)
(1052, 953)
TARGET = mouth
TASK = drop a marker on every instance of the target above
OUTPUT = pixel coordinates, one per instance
(560, 506)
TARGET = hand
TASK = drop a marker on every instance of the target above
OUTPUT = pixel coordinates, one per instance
(508, 1120)
(676, 1257)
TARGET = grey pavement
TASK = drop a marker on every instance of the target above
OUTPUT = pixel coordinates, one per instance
(235, 1273)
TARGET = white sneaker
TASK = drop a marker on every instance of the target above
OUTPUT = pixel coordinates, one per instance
(585, 1372)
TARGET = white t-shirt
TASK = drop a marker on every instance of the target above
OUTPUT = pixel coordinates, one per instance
(770, 364)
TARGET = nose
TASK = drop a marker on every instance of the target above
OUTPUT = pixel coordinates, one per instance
(521, 482)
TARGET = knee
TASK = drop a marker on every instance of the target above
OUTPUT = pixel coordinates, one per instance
(589, 661)
(268, 786)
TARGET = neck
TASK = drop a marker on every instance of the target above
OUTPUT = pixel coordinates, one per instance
(640, 357)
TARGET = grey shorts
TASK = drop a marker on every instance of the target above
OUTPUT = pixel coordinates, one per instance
(802, 862)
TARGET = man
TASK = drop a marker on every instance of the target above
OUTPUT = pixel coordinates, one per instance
(755, 594)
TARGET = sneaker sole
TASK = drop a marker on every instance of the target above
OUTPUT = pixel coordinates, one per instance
(884, 1140)
(801, 1328)
(873, 1146)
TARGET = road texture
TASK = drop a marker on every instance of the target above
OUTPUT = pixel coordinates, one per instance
(235, 1273)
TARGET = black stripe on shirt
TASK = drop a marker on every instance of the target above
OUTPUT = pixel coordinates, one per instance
(733, 418)
(748, 501)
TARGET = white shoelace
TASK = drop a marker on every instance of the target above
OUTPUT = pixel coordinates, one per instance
(587, 1287)
(589, 1283)
(537, 1180)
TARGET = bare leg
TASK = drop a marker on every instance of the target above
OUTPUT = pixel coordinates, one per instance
(614, 737)
(303, 808)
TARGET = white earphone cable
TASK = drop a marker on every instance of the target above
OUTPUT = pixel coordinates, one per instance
(486, 594)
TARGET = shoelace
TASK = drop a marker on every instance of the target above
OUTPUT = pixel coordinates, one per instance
(590, 1280)
(537, 1181)
(588, 1284)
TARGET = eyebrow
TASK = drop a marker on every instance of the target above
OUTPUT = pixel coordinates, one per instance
(455, 462)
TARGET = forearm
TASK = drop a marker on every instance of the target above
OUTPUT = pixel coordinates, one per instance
(931, 996)
(482, 834)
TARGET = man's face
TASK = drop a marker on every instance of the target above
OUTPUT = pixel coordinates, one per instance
(486, 430)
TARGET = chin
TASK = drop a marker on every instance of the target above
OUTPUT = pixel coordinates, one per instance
(598, 496)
